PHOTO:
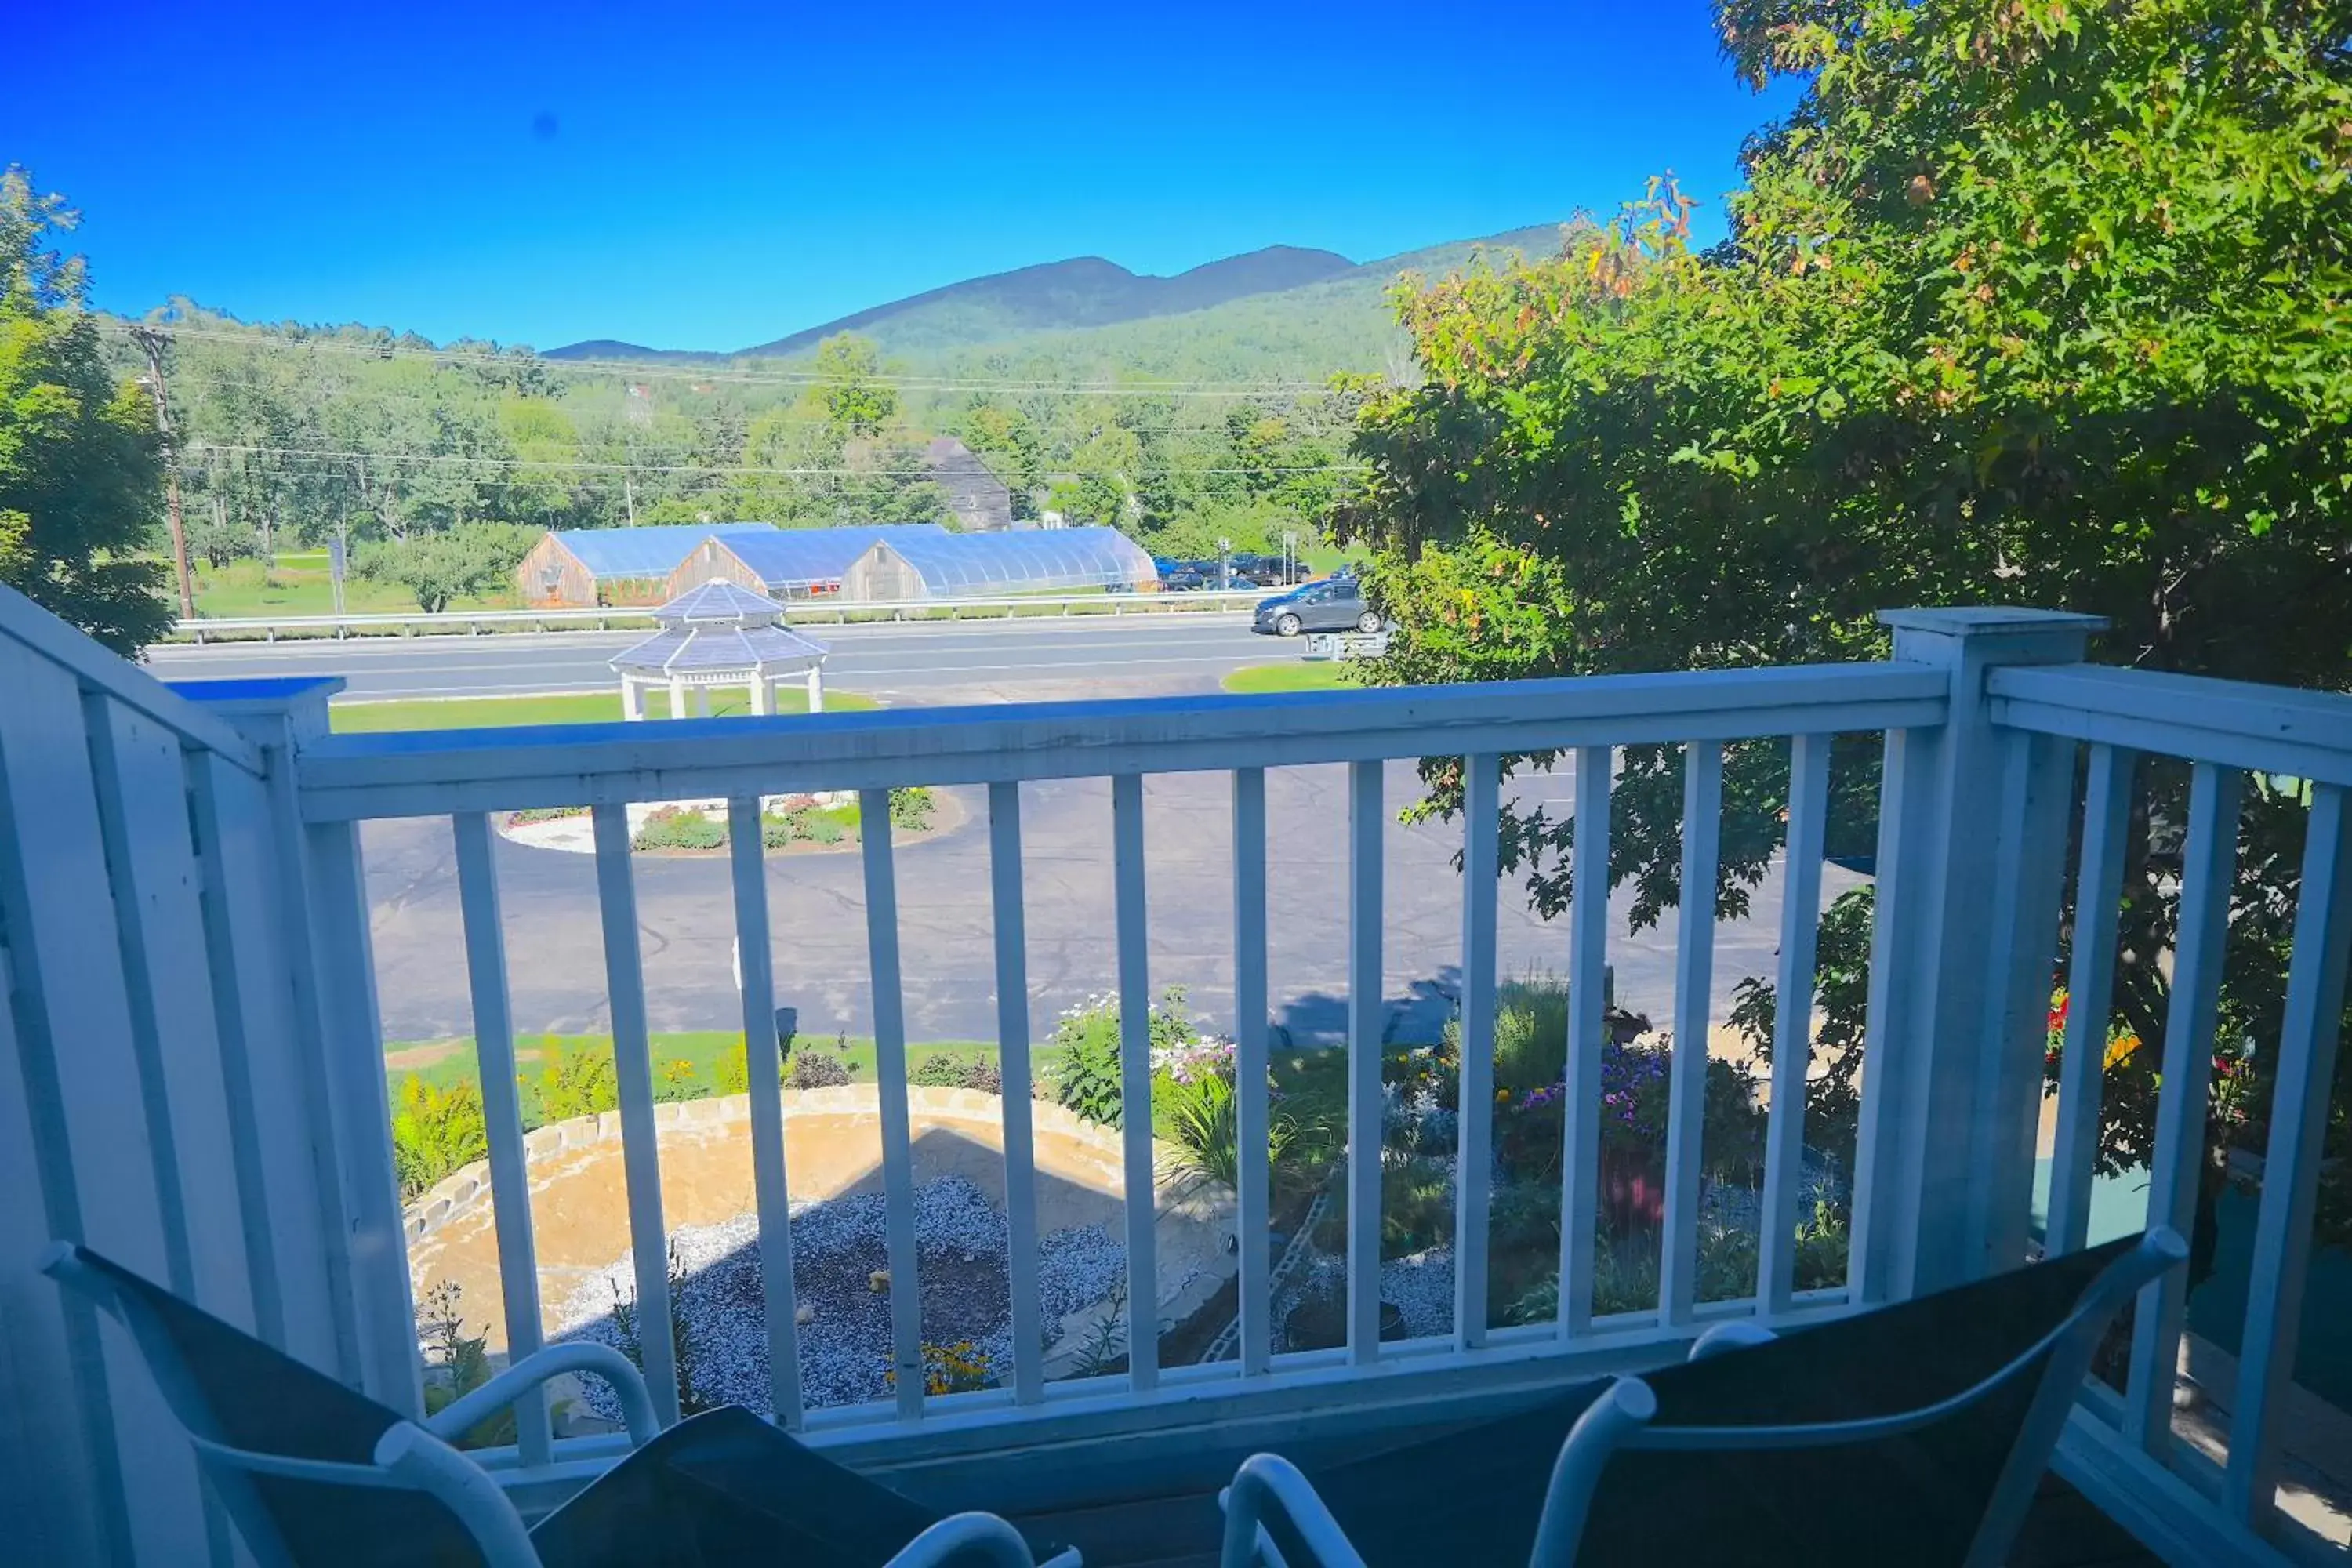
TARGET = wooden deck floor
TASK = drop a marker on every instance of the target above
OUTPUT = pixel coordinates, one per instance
(1181, 1532)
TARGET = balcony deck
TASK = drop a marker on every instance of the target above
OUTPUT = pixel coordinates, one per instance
(2065, 1529)
(193, 1074)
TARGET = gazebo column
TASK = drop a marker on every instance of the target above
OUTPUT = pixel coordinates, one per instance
(816, 688)
(763, 695)
(676, 698)
(633, 698)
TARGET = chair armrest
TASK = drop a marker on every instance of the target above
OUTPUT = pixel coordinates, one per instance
(977, 1537)
(1737, 1334)
(1268, 1486)
(510, 1386)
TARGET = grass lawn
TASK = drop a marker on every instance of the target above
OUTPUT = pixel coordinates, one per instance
(453, 1061)
(568, 708)
(297, 584)
(1297, 675)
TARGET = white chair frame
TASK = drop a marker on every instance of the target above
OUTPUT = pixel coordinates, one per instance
(1268, 1486)
(422, 1457)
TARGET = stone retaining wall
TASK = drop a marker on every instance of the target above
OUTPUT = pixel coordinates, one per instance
(833, 1147)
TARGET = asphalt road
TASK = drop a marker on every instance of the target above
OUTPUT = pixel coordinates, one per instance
(935, 661)
(817, 906)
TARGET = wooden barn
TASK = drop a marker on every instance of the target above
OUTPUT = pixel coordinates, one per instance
(587, 567)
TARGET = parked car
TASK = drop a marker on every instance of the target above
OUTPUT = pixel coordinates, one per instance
(1334, 605)
(1269, 571)
(1178, 576)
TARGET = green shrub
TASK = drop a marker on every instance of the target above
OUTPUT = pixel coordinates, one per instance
(691, 1400)
(434, 1131)
(1204, 1122)
(826, 826)
(1086, 1060)
(813, 1066)
(1530, 1034)
(911, 808)
(456, 1363)
(940, 1070)
(545, 814)
(680, 830)
(576, 1080)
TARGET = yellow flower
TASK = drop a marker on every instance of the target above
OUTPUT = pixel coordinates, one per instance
(2121, 1049)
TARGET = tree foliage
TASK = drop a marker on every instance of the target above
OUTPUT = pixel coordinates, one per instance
(2025, 302)
(80, 467)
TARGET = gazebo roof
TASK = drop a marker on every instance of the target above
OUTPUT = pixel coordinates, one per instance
(721, 603)
(718, 629)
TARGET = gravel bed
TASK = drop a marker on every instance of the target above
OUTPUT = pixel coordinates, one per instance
(837, 1246)
(1421, 1286)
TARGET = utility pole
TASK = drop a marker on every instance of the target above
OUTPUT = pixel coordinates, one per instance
(150, 343)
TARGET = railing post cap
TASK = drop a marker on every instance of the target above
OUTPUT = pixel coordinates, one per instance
(265, 710)
(1989, 620)
(1981, 635)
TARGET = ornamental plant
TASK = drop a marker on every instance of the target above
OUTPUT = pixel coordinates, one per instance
(2023, 298)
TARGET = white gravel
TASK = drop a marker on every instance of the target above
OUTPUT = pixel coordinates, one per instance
(846, 1347)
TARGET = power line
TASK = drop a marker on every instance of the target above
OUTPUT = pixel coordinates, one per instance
(631, 369)
(321, 454)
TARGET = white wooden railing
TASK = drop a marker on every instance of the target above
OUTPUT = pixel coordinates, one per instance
(1981, 712)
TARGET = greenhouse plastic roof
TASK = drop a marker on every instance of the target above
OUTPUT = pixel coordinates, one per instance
(1045, 558)
(789, 558)
(721, 603)
(707, 649)
(647, 552)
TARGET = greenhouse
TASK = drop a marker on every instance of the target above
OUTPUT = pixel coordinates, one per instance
(789, 563)
(589, 566)
(921, 565)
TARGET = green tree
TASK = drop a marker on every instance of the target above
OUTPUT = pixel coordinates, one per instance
(80, 469)
(474, 558)
(2024, 302)
(850, 387)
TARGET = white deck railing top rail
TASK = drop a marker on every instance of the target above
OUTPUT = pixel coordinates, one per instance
(235, 1027)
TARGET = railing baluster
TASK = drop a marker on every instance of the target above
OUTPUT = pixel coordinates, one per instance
(2208, 860)
(2090, 998)
(1364, 1007)
(1792, 1019)
(1135, 1082)
(763, 1073)
(1588, 959)
(890, 1089)
(2283, 1228)
(1474, 1123)
(1694, 981)
(1250, 1033)
(494, 1056)
(1013, 1055)
(624, 979)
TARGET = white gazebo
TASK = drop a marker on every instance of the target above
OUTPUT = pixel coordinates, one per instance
(721, 634)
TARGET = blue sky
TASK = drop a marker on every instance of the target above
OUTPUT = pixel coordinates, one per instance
(710, 175)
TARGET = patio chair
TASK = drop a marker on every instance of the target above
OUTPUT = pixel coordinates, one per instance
(1917, 1433)
(312, 1473)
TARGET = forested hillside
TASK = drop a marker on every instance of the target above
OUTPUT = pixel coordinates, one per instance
(1182, 428)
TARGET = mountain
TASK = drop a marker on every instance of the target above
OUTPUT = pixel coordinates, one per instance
(1086, 291)
(1341, 322)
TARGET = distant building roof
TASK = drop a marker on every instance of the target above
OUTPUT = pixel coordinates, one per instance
(646, 551)
(975, 496)
(786, 559)
(955, 563)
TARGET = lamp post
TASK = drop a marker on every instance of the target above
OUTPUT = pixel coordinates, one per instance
(1224, 563)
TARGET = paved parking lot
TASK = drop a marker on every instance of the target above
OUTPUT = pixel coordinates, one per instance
(818, 914)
